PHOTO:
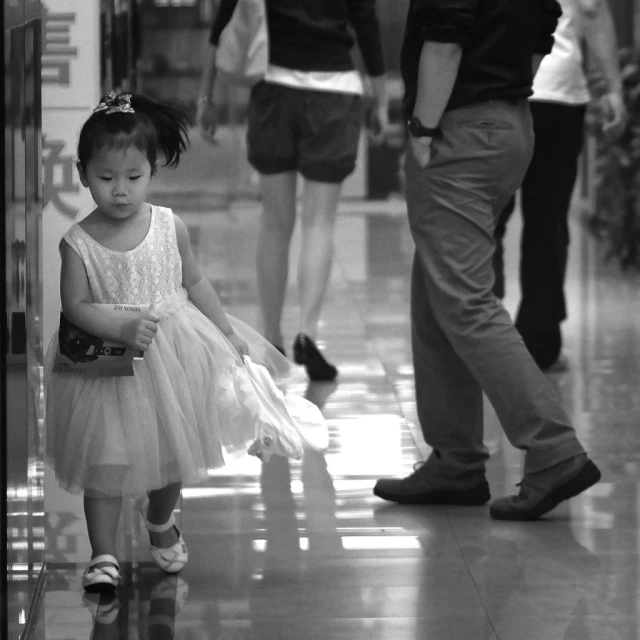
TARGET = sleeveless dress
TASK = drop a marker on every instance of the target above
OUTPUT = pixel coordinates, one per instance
(190, 402)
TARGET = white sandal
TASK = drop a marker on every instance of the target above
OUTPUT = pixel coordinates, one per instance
(101, 579)
(173, 558)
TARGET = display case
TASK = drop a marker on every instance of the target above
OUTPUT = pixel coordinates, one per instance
(120, 41)
(175, 37)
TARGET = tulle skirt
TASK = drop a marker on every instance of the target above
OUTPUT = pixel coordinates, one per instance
(190, 403)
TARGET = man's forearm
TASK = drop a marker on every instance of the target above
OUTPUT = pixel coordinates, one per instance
(601, 40)
(439, 64)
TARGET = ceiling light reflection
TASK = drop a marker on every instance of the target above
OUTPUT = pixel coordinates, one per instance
(356, 543)
(217, 492)
(405, 370)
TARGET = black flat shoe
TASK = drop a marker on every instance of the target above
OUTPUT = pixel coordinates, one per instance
(305, 352)
(528, 505)
(421, 487)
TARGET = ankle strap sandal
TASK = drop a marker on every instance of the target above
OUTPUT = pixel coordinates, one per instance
(171, 559)
(101, 579)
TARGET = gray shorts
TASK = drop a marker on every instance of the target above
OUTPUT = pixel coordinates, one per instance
(313, 132)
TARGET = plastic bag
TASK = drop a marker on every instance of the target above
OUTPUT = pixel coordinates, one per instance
(284, 423)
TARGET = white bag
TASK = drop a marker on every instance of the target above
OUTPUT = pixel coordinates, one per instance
(242, 55)
(285, 424)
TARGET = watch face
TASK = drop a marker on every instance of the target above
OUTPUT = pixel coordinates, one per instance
(414, 126)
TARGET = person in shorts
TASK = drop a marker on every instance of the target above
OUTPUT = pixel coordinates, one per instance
(305, 119)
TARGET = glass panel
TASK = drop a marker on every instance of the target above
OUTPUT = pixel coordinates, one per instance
(33, 296)
(22, 418)
(15, 356)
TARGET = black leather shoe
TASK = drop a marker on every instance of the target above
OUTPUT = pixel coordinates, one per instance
(305, 352)
(281, 350)
(420, 488)
(531, 505)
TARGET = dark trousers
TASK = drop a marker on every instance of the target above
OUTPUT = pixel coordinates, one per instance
(463, 339)
(546, 199)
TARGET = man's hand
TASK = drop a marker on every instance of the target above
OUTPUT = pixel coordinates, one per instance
(421, 148)
(615, 115)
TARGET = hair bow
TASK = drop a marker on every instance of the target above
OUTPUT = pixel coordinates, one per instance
(114, 102)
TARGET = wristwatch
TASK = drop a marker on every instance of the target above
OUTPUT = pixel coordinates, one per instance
(417, 130)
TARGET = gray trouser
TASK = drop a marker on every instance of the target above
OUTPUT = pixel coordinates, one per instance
(463, 339)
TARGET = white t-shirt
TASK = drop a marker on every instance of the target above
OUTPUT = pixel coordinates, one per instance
(334, 81)
(561, 76)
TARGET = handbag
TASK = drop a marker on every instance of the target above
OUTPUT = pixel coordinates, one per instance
(242, 55)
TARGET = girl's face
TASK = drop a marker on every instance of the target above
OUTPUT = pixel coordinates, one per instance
(118, 180)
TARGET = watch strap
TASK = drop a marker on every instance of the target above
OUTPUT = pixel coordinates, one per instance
(418, 130)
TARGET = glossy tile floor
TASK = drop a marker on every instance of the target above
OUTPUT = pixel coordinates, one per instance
(304, 550)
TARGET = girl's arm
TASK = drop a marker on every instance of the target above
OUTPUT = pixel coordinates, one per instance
(77, 307)
(199, 289)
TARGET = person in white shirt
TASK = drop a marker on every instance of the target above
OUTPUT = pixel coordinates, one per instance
(558, 106)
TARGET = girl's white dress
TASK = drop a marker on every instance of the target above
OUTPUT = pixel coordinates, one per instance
(190, 401)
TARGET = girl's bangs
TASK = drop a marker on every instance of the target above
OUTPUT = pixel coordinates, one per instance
(123, 140)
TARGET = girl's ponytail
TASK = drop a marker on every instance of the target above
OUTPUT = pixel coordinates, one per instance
(124, 119)
(171, 123)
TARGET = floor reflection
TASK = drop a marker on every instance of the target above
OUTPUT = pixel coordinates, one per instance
(302, 549)
(24, 505)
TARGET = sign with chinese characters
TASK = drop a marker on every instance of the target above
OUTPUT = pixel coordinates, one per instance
(59, 173)
(57, 52)
(70, 53)
(70, 90)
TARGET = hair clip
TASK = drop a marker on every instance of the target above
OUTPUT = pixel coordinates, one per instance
(114, 102)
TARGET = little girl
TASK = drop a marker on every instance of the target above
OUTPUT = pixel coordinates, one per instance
(191, 398)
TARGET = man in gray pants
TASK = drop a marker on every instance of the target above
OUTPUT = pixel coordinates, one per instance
(468, 68)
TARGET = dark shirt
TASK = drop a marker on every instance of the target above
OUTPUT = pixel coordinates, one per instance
(498, 39)
(315, 35)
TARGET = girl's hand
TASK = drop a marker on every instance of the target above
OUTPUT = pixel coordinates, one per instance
(140, 332)
(239, 344)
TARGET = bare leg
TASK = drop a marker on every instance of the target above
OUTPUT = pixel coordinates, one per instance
(162, 502)
(276, 228)
(102, 514)
(320, 203)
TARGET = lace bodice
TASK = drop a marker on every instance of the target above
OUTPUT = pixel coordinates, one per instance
(147, 274)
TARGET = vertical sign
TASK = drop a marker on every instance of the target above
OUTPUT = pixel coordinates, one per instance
(70, 90)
